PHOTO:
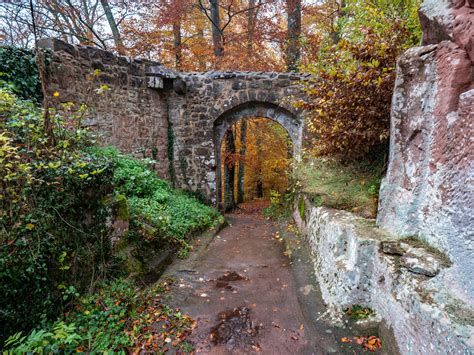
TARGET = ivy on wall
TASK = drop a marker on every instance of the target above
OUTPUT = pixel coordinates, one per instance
(18, 69)
(170, 154)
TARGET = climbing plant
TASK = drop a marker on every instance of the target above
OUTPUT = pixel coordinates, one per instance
(18, 69)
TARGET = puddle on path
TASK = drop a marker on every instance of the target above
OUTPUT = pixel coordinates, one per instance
(257, 300)
(236, 330)
(230, 276)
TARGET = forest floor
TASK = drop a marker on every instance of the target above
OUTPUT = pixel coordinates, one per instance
(247, 295)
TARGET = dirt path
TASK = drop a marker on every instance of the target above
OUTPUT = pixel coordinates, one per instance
(243, 293)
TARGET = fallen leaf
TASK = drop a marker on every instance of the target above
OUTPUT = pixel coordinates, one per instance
(346, 340)
(372, 343)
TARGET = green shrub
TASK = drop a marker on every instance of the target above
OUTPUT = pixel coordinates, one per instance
(53, 235)
(280, 206)
(61, 337)
(158, 212)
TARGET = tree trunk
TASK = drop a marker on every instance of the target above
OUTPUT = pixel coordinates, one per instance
(336, 31)
(113, 27)
(242, 151)
(177, 44)
(250, 28)
(258, 148)
(202, 42)
(229, 171)
(294, 32)
(217, 39)
(48, 124)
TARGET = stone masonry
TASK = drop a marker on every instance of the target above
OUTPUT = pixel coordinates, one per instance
(179, 119)
(402, 280)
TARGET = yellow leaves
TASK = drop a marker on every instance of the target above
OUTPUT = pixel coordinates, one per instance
(97, 171)
(56, 94)
(93, 75)
(102, 89)
(30, 226)
(52, 165)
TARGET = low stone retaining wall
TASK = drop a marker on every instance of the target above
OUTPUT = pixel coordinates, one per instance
(401, 279)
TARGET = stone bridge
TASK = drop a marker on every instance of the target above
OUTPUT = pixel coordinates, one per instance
(179, 119)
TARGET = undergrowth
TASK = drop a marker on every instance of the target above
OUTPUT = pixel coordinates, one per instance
(358, 312)
(280, 206)
(57, 258)
(118, 318)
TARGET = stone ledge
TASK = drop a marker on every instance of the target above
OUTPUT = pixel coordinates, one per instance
(404, 282)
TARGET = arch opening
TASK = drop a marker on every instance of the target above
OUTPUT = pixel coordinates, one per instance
(254, 145)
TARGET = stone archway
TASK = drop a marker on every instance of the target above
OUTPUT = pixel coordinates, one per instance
(288, 120)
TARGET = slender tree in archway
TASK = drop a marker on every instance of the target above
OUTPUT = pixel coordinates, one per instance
(229, 171)
(241, 170)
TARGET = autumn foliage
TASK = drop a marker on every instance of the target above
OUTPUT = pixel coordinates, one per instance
(351, 89)
(261, 158)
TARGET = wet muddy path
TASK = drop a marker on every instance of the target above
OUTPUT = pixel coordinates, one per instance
(245, 296)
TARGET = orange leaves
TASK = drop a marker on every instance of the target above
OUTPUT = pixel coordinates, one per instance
(350, 94)
(371, 343)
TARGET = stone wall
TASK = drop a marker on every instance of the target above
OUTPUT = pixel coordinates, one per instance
(212, 102)
(130, 115)
(429, 187)
(403, 280)
(148, 106)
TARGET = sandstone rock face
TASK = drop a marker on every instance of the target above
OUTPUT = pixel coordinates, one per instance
(429, 187)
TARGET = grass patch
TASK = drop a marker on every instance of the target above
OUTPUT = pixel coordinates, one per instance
(352, 187)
